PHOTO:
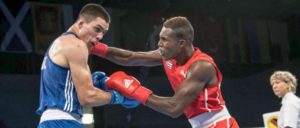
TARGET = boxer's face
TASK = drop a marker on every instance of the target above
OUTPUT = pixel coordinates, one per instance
(168, 44)
(93, 32)
(280, 87)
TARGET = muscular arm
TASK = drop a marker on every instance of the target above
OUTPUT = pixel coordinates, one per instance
(199, 75)
(126, 57)
(88, 95)
(130, 58)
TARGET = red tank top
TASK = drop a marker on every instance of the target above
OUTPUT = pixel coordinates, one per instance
(209, 99)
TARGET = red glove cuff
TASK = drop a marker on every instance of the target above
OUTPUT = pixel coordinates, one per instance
(100, 49)
(141, 94)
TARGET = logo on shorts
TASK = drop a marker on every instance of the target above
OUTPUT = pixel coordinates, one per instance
(127, 83)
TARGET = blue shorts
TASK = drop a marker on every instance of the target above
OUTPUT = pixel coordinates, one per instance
(60, 124)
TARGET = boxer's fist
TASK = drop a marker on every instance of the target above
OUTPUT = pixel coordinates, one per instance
(117, 98)
(128, 86)
(100, 49)
(130, 103)
(99, 79)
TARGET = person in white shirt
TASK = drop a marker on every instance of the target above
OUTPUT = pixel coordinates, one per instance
(284, 85)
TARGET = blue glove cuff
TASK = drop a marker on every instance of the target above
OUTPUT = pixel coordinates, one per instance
(116, 98)
(130, 103)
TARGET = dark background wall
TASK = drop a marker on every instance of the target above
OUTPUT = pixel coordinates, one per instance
(19, 100)
(249, 40)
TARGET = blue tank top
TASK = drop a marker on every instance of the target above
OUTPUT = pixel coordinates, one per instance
(57, 89)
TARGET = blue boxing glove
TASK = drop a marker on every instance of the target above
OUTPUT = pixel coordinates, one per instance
(130, 103)
(117, 98)
(99, 79)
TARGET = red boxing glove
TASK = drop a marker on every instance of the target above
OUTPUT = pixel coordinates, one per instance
(128, 86)
(100, 49)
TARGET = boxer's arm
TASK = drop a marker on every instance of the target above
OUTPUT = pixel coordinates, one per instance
(88, 95)
(127, 57)
(200, 74)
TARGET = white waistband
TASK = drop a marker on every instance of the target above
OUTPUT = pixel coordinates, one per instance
(57, 114)
(206, 119)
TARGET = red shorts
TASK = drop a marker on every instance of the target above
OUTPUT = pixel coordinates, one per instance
(226, 123)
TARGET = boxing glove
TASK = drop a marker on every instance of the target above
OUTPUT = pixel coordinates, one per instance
(128, 86)
(99, 79)
(117, 98)
(100, 49)
(130, 103)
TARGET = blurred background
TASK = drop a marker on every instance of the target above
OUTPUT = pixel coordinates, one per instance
(249, 40)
